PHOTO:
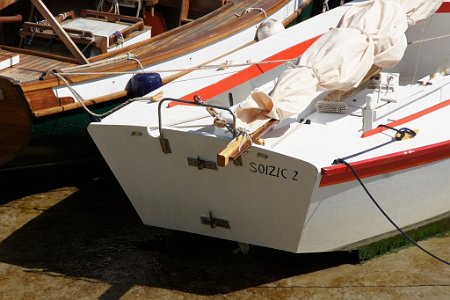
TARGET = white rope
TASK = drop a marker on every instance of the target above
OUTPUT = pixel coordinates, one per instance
(179, 124)
(128, 56)
(221, 67)
(139, 8)
(244, 133)
(325, 6)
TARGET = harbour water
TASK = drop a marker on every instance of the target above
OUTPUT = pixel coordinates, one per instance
(69, 232)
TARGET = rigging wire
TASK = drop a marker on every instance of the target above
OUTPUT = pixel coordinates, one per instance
(342, 161)
(227, 64)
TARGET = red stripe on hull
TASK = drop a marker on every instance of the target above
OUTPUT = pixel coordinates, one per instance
(251, 72)
(386, 164)
(445, 8)
(407, 119)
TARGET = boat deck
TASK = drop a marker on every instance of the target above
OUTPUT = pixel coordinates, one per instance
(31, 67)
(205, 30)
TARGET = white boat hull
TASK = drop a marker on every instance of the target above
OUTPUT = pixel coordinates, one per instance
(287, 194)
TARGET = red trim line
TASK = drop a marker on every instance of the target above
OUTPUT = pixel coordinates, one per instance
(386, 164)
(253, 71)
(445, 8)
(407, 118)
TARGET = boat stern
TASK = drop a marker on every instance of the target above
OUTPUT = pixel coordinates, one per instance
(261, 200)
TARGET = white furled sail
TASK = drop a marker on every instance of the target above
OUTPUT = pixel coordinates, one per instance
(384, 21)
(419, 10)
(370, 33)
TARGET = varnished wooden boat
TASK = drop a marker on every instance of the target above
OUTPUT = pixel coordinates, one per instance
(47, 71)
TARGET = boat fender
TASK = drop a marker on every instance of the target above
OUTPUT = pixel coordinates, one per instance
(143, 83)
(268, 28)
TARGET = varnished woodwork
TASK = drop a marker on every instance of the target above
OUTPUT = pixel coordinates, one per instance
(242, 143)
(42, 99)
(35, 55)
(10, 19)
(188, 37)
(184, 12)
(75, 105)
(16, 120)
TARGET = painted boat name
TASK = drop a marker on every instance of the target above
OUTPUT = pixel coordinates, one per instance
(274, 171)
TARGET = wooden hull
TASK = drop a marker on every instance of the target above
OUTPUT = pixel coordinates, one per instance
(107, 76)
(16, 120)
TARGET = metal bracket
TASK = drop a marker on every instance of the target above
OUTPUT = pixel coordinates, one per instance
(165, 146)
(214, 222)
(201, 164)
(197, 101)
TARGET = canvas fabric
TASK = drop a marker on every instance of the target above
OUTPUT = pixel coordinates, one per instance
(419, 10)
(369, 33)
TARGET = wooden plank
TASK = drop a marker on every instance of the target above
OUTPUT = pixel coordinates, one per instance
(40, 54)
(184, 11)
(242, 143)
(291, 18)
(60, 31)
(75, 105)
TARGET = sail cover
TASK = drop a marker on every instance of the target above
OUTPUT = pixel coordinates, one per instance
(419, 10)
(369, 33)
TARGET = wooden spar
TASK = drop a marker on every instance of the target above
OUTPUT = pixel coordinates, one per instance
(60, 31)
(10, 19)
(242, 143)
(296, 13)
(342, 95)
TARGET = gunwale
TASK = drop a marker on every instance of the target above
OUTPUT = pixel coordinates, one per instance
(189, 37)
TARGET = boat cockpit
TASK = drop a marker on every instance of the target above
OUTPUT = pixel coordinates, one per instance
(84, 29)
